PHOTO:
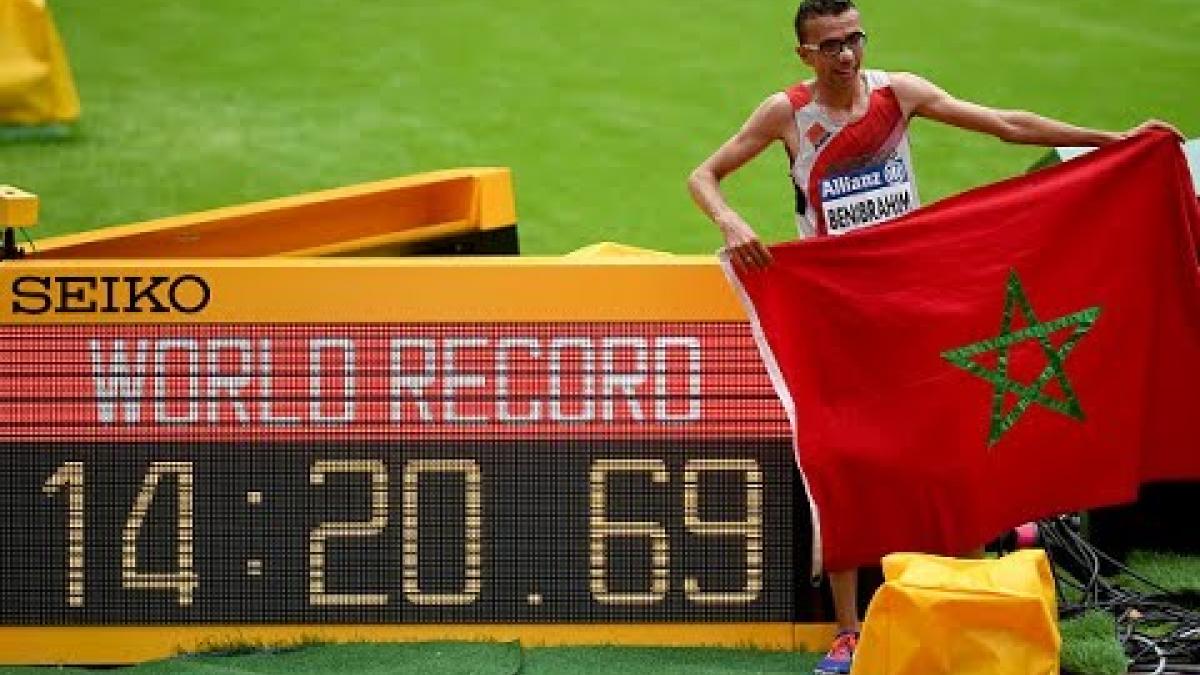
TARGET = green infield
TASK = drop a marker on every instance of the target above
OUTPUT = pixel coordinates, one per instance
(600, 108)
(464, 658)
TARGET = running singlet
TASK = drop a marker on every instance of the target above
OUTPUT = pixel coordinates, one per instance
(852, 176)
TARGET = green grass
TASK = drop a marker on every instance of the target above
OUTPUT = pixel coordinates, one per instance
(663, 661)
(1090, 645)
(1170, 571)
(426, 658)
(600, 108)
(473, 658)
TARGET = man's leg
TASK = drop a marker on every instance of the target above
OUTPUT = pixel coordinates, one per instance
(844, 588)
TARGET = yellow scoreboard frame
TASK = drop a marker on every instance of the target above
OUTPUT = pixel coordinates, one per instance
(332, 290)
(208, 451)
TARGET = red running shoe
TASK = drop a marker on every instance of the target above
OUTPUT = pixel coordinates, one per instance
(840, 656)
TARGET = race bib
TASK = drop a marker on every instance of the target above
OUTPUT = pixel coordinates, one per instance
(867, 196)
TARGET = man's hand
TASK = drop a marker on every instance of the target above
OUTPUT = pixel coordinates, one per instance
(744, 248)
(1154, 124)
(766, 125)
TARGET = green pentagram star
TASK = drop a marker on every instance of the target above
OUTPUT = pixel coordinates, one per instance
(1027, 394)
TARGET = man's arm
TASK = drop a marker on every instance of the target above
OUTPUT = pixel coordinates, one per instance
(920, 97)
(765, 125)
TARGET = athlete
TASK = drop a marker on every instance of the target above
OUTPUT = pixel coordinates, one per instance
(846, 135)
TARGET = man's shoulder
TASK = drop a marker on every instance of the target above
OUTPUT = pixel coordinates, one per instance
(902, 79)
(771, 117)
(777, 106)
(797, 95)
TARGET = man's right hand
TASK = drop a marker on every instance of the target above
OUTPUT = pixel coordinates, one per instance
(768, 124)
(745, 249)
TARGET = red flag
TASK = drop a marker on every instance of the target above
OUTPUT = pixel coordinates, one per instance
(1021, 350)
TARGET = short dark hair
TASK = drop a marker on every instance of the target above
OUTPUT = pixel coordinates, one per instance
(812, 8)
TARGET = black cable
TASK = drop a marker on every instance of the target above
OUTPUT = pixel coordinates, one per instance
(1155, 633)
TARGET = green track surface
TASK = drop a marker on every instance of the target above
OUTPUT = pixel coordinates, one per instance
(462, 658)
(601, 108)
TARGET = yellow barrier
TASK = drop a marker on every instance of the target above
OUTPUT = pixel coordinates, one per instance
(484, 289)
(35, 79)
(136, 644)
(390, 217)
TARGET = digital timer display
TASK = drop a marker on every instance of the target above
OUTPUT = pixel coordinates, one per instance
(396, 473)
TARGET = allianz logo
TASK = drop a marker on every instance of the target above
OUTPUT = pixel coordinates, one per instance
(891, 172)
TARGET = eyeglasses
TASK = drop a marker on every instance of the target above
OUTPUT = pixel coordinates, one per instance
(833, 48)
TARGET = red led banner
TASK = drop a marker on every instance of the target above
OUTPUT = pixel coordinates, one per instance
(532, 380)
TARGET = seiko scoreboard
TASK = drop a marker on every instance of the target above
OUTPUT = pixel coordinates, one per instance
(218, 450)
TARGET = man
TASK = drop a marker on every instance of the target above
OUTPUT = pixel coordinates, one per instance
(846, 134)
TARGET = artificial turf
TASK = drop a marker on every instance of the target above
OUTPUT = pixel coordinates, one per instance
(601, 108)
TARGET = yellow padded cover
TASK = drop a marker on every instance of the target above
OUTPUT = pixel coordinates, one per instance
(962, 617)
(35, 79)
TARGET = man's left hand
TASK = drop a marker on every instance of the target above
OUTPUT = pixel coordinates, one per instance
(1154, 124)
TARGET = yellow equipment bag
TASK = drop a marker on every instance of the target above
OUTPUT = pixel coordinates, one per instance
(961, 617)
(35, 79)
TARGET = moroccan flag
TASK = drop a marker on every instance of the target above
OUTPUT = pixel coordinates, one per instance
(1025, 349)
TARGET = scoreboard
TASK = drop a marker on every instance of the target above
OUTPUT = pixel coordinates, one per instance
(390, 449)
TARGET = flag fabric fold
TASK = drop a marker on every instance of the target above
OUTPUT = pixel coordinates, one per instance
(1021, 350)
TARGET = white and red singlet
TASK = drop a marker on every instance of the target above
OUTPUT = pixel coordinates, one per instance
(854, 175)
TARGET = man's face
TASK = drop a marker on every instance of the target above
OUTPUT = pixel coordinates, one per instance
(829, 47)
